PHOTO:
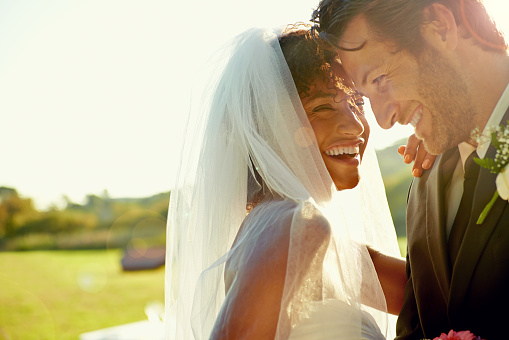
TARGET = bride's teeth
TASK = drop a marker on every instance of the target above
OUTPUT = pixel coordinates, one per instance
(341, 150)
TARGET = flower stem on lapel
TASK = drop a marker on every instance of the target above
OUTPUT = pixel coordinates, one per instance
(487, 208)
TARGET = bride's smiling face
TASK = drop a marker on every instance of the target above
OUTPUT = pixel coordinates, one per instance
(340, 128)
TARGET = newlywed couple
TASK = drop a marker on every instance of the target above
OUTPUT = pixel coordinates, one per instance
(279, 228)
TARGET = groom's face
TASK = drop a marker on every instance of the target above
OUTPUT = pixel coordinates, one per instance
(425, 91)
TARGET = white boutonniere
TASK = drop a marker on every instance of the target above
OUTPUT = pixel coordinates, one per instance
(499, 137)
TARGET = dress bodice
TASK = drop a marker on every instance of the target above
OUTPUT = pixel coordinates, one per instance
(334, 319)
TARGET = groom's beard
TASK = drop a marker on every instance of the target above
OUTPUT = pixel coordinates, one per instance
(446, 94)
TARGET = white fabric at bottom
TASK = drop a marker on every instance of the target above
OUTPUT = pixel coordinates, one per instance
(334, 319)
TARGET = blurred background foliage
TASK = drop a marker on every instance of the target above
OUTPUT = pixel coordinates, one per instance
(100, 223)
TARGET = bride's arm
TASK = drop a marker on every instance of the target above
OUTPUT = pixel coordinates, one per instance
(252, 304)
(392, 277)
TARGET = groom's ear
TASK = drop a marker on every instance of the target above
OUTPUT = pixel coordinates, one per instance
(439, 28)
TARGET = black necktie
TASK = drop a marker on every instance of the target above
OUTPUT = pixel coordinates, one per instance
(460, 223)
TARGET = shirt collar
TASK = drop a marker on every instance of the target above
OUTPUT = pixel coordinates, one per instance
(465, 150)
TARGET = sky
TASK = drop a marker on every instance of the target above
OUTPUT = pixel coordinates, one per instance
(95, 94)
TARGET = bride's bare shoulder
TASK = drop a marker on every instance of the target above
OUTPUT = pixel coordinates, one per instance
(309, 222)
(267, 230)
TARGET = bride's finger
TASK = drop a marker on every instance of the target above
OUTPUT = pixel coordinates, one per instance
(415, 152)
(411, 149)
(429, 160)
(419, 159)
(401, 149)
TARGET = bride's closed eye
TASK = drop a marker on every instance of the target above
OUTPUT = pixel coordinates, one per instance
(324, 111)
(323, 108)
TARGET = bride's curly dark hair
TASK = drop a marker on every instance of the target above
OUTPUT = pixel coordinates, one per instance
(308, 57)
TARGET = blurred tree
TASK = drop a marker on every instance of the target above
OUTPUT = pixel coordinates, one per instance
(14, 211)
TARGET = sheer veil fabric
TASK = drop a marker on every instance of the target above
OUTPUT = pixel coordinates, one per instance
(251, 121)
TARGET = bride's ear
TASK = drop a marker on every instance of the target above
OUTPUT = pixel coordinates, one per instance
(439, 28)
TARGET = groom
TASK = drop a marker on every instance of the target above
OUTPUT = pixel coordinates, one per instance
(441, 66)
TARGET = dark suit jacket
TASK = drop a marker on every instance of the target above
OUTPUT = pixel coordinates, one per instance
(474, 293)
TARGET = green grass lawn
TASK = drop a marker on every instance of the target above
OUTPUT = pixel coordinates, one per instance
(61, 294)
(402, 245)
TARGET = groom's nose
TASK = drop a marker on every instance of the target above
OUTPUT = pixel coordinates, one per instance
(385, 110)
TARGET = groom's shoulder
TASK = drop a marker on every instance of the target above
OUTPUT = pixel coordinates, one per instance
(432, 181)
(449, 156)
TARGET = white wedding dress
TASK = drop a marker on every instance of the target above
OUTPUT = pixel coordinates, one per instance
(334, 319)
(325, 319)
(253, 123)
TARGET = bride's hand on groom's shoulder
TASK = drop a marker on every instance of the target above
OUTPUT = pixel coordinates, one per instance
(414, 151)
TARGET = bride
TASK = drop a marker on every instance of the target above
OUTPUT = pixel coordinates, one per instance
(264, 239)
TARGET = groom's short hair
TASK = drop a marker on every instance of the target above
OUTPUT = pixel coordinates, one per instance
(400, 21)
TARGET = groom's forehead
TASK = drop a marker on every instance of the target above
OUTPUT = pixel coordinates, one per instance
(357, 33)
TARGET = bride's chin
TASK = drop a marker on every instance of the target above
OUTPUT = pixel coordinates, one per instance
(345, 184)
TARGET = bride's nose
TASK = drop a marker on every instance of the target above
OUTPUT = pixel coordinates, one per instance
(349, 124)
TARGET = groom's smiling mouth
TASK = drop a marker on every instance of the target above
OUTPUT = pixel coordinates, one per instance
(416, 117)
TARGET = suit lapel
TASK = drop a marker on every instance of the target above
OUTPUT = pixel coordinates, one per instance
(436, 218)
(476, 236)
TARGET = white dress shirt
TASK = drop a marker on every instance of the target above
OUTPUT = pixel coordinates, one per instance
(454, 190)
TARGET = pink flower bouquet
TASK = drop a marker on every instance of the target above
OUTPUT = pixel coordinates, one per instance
(463, 335)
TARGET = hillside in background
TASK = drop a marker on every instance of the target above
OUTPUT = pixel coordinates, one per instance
(397, 177)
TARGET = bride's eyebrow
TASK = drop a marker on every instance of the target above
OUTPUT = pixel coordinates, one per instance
(321, 95)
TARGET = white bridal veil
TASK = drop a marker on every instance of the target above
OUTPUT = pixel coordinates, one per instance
(252, 121)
